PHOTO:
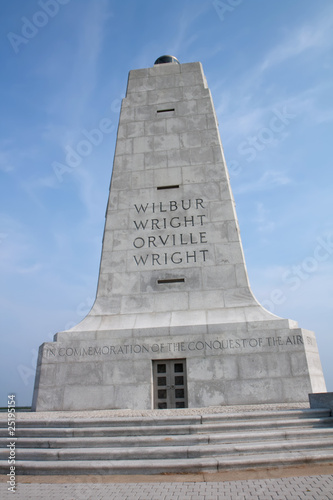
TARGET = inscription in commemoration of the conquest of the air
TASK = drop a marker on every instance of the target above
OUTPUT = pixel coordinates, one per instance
(162, 226)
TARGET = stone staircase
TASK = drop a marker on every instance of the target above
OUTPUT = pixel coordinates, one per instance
(170, 444)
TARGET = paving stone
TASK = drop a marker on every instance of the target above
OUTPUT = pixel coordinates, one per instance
(291, 488)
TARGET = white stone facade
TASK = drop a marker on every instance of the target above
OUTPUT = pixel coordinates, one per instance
(173, 282)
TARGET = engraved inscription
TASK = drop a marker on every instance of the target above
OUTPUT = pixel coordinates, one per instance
(215, 346)
(162, 217)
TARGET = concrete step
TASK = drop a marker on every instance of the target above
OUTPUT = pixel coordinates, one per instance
(181, 420)
(168, 452)
(172, 440)
(187, 465)
(106, 422)
(135, 445)
(150, 430)
(267, 415)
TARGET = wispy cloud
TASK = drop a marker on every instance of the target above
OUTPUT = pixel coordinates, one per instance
(306, 37)
(87, 194)
(68, 105)
(315, 286)
(29, 269)
(6, 165)
(256, 95)
(17, 253)
(248, 119)
(264, 224)
(7, 162)
(182, 38)
(73, 97)
(269, 180)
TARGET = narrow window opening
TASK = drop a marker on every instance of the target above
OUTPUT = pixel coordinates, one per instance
(171, 280)
(165, 110)
(173, 186)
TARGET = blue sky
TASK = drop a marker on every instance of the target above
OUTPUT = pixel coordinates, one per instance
(64, 68)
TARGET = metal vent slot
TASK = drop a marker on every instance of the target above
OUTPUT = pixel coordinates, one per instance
(175, 186)
(171, 280)
(165, 110)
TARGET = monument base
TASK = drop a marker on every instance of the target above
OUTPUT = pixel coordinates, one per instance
(178, 367)
(321, 400)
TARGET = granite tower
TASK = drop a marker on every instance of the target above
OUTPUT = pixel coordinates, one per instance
(175, 323)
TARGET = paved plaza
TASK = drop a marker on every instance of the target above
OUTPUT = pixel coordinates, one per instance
(317, 487)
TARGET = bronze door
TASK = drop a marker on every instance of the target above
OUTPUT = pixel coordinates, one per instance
(170, 389)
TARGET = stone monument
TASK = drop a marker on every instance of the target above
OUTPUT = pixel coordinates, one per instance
(175, 323)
